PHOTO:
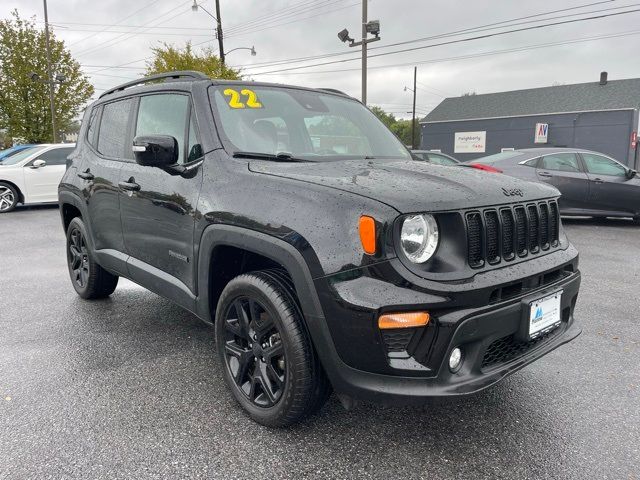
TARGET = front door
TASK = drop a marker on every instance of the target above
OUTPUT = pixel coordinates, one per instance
(563, 171)
(610, 189)
(41, 182)
(157, 208)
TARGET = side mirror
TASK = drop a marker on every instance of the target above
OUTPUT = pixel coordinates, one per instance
(631, 173)
(38, 163)
(155, 150)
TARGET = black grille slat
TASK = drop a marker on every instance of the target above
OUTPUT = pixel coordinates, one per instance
(508, 348)
(534, 229)
(492, 225)
(496, 234)
(474, 239)
(544, 226)
(554, 224)
(521, 231)
(508, 235)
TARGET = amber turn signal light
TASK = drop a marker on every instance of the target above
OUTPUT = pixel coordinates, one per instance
(368, 234)
(403, 320)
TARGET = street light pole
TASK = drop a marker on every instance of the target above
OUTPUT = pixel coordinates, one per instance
(49, 74)
(413, 117)
(219, 30)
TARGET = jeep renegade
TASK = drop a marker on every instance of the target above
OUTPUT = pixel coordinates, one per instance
(323, 254)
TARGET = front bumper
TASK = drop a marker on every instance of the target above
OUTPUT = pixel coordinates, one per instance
(489, 335)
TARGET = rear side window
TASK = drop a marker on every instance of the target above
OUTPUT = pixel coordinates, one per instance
(113, 128)
(57, 156)
(164, 114)
(562, 162)
(92, 129)
(599, 165)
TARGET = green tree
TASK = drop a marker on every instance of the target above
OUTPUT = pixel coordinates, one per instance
(387, 118)
(402, 128)
(24, 103)
(169, 58)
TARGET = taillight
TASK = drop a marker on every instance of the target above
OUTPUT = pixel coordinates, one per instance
(486, 168)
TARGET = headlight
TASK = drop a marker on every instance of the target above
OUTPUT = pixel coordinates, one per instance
(419, 237)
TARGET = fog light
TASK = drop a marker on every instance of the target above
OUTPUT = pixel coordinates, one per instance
(455, 360)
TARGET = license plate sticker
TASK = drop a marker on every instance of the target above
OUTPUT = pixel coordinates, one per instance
(544, 314)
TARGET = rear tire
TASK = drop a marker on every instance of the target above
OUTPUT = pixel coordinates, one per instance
(265, 353)
(636, 220)
(9, 197)
(89, 279)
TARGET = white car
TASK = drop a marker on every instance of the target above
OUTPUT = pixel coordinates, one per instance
(33, 175)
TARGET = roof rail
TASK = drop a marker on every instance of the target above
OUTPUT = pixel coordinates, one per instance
(333, 90)
(168, 76)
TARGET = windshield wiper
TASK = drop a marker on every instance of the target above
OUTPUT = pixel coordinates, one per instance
(277, 157)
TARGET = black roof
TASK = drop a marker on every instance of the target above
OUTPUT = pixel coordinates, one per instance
(580, 97)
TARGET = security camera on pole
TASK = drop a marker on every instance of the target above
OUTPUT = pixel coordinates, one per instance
(372, 27)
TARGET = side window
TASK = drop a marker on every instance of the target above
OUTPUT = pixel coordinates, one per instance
(113, 128)
(599, 165)
(563, 162)
(164, 114)
(92, 128)
(57, 156)
(532, 163)
(194, 151)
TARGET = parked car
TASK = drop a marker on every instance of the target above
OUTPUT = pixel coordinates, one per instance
(323, 261)
(32, 175)
(591, 183)
(13, 150)
(438, 158)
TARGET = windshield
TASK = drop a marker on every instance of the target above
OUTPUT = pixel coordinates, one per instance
(19, 156)
(308, 125)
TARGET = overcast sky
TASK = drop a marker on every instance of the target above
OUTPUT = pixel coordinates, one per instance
(290, 29)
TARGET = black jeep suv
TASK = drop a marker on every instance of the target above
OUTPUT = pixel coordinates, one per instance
(326, 257)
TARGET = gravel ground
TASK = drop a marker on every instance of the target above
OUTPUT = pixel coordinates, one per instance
(127, 388)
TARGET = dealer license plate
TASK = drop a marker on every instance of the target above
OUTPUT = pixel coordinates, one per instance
(544, 314)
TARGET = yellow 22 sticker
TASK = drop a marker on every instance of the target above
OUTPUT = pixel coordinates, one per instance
(250, 100)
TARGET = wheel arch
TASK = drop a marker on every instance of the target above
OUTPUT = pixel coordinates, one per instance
(227, 250)
(71, 206)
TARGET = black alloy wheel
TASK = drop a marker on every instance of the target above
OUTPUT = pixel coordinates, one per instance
(78, 257)
(254, 352)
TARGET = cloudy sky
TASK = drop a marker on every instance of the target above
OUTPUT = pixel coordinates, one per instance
(112, 39)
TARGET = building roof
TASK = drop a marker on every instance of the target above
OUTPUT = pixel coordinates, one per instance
(580, 97)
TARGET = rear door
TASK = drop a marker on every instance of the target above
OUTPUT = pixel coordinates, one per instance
(42, 182)
(564, 171)
(610, 189)
(158, 214)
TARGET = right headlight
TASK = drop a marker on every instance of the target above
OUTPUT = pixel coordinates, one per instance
(419, 237)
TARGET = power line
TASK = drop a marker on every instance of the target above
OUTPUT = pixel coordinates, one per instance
(462, 40)
(478, 55)
(115, 40)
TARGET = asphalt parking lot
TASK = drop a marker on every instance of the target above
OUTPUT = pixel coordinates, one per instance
(127, 388)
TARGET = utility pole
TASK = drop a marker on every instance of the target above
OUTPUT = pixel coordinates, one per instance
(49, 74)
(364, 52)
(372, 27)
(413, 117)
(219, 32)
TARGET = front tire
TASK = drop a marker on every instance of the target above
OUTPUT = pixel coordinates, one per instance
(8, 197)
(265, 354)
(89, 279)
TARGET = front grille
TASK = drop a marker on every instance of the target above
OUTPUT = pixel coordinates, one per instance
(494, 234)
(508, 348)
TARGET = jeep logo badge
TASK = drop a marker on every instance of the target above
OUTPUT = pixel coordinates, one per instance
(512, 192)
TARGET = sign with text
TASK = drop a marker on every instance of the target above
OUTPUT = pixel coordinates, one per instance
(542, 133)
(470, 142)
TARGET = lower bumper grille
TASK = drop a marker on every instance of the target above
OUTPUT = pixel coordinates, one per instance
(508, 348)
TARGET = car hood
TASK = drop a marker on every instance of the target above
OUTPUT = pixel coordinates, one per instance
(411, 186)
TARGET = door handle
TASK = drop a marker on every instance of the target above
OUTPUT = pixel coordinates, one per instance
(86, 175)
(130, 185)
(597, 180)
(545, 174)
